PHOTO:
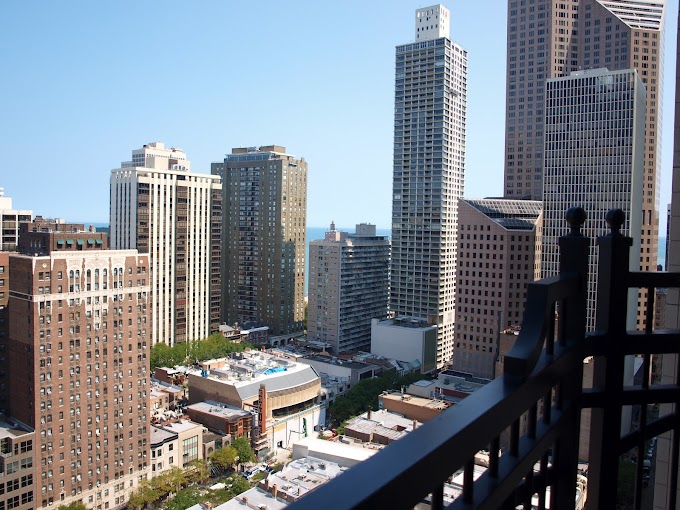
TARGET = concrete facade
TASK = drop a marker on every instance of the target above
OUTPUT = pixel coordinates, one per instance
(162, 209)
(348, 286)
(264, 192)
(428, 175)
(405, 339)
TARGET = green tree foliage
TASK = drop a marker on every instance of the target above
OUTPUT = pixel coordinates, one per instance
(365, 394)
(198, 471)
(76, 505)
(238, 484)
(215, 346)
(245, 451)
(171, 480)
(145, 494)
(223, 458)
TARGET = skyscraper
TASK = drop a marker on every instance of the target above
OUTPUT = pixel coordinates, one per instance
(264, 197)
(159, 207)
(78, 363)
(496, 239)
(594, 158)
(348, 286)
(550, 40)
(428, 173)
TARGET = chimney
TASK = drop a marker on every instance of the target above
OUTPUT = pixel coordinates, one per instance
(245, 500)
(262, 411)
(368, 416)
(415, 423)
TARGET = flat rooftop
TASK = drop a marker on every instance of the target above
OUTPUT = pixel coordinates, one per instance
(180, 426)
(247, 373)
(338, 449)
(159, 436)
(218, 409)
(256, 498)
(417, 401)
(13, 430)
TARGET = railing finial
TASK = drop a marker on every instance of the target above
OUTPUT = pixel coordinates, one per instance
(615, 219)
(576, 217)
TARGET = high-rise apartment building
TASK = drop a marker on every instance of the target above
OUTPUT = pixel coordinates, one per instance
(4, 330)
(496, 240)
(10, 221)
(78, 361)
(594, 158)
(348, 286)
(428, 174)
(159, 207)
(264, 197)
(551, 39)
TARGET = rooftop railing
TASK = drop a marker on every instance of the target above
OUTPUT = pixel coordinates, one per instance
(534, 410)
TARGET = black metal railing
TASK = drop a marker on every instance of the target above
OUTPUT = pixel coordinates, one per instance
(534, 409)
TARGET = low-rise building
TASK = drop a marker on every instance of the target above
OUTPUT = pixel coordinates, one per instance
(450, 385)
(342, 452)
(284, 394)
(410, 406)
(189, 440)
(222, 418)
(379, 427)
(406, 339)
(164, 450)
(353, 371)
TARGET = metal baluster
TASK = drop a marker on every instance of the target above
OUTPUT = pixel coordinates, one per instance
(468, 480)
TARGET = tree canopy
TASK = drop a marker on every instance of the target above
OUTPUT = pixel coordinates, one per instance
(215, 346)
(245, 451)
(223, 458)
(365, 394)
(76, 505)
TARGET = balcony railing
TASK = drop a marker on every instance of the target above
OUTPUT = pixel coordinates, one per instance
(536, 405)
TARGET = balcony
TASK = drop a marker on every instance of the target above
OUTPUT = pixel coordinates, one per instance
(538, 403)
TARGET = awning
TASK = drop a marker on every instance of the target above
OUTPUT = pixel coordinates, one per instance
(90, 241)
(80, 241)
(99, 241)
(60, 241)
(69, 241)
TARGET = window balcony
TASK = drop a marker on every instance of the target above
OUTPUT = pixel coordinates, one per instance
(537, 405)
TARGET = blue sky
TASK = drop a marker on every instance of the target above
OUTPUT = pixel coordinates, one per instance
(83, 83)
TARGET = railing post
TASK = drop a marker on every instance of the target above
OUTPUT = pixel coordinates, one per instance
(574, 251)
(608, 371)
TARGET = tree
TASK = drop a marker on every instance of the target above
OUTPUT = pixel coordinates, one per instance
(244, 450)
(199, 471)
(145, 494)
(223, 458)
(76, 505)
(365, 394)
(172, 480)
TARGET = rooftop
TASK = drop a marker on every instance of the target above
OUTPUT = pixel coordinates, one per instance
(509, 214)
(180, 426)
(218, 409)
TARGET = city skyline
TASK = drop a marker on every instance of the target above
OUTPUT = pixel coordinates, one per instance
(73, 90)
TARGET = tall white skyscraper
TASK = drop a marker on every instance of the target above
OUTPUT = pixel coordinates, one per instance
(428, 180)
(159, 207)
(594, 158)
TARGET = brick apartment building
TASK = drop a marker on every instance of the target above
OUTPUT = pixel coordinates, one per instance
(79, 366)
